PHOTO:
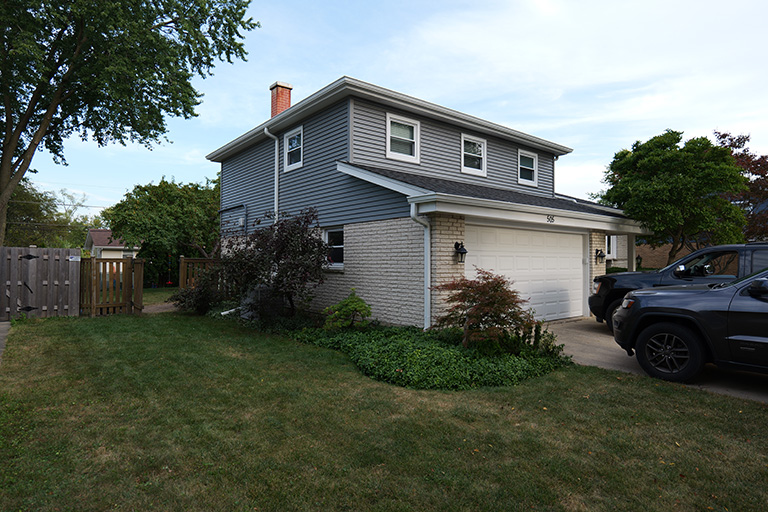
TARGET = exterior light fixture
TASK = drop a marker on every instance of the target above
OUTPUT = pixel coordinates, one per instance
(599, 256)
(461, 252)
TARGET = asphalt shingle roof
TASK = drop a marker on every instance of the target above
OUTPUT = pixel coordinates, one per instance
(443, 186)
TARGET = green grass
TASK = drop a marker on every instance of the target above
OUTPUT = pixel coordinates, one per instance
(157, 295)
(170, 412)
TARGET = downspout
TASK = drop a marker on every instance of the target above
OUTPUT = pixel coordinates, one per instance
(277, 169)
(427, 266)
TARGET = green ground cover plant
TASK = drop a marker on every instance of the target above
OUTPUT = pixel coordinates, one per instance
(174, 412)
(410, 357)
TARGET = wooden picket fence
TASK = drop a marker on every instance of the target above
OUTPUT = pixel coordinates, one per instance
(191, 268)
(111, 286)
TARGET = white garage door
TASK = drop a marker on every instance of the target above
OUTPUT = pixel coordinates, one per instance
(546, 267)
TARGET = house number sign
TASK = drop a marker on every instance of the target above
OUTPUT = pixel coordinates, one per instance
(551, 219)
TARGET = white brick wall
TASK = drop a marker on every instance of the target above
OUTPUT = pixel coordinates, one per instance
(446, 231)
(384, 262)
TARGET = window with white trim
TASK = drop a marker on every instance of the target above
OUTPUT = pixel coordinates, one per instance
(611, 251)
(473, 155)
(403, 139)
(293, 143)
(527, 168)
(335, 240)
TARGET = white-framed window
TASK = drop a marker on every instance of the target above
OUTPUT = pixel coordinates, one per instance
(334, 237)
(527, 168)
(611, 252)
(473, 155)
(293, 143)
(403, 139)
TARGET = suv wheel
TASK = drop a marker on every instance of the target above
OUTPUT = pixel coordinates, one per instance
(670, 352)
(613, 306)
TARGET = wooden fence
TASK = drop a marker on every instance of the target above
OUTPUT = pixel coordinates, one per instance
(39, 282)
(111, 286)
(191, 268)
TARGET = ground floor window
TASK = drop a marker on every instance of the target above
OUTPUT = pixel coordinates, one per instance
(335, 239)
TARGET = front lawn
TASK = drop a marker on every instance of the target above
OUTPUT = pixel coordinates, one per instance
(172, 412)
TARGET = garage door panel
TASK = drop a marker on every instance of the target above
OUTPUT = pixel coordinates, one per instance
(546, 268)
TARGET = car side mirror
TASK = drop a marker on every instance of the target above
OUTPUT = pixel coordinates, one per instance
(758, 288)
(680, 271)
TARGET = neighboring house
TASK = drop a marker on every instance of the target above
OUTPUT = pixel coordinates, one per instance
(101, 245)
(399, 181)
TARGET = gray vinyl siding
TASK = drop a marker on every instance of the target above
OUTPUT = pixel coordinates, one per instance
(247, 185)
(441, 151)
(340, 199)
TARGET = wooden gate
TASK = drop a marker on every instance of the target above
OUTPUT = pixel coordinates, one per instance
(39, 282)
(111, 286)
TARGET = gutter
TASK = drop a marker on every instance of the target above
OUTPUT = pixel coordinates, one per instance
(277, 169)
(427, 266)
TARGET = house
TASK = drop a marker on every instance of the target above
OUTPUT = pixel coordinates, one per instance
(101, 245)
(400, 183)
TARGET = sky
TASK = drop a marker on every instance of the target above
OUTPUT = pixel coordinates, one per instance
(593, 75)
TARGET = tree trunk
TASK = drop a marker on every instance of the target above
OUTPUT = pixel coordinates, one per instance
(3, 219)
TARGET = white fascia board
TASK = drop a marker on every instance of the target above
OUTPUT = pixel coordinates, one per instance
(347, 87)
(382, 181)
(530, 214)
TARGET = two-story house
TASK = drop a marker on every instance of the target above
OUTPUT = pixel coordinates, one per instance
(400, 183)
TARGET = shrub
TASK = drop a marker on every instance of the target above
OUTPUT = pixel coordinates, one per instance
(488, 311)
(206, 293)
(350, 312)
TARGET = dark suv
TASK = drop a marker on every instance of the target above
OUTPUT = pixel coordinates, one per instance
(717, 264)
(675, 330)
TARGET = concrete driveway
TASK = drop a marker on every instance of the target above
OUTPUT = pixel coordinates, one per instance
(590, 344)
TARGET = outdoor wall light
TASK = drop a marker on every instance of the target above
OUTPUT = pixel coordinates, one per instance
(599, 256)
(461, 252)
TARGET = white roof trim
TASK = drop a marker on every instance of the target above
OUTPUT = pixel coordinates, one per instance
(347, 87)
(502, 210)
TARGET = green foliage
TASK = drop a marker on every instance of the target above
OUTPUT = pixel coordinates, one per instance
(284, 261)
(413, 358)
(202, 297)
(167, 220)
(678, 192)
(113, 71)
(269, 272)
(487, 309)
(41, 218)
(350, 312)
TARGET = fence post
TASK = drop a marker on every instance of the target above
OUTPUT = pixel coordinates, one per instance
(182, 273)
(138, 286)
(94, 285)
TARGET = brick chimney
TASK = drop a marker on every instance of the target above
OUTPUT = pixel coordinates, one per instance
(281, 97)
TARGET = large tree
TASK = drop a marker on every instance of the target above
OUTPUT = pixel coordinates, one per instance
(754, 199)
(109, 70)
(168, 220)
(45, 219)
(679, 192)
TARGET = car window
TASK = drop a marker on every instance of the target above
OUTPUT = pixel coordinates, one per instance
(759, 260)
(721, 263)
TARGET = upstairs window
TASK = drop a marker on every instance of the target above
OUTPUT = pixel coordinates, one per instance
(528, 168)
(335, 240)
(293, 142)
(473, 155)
(403, 139)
